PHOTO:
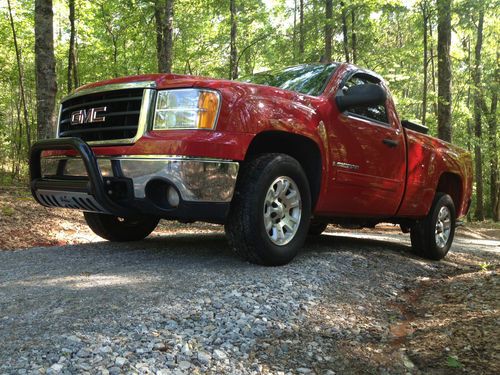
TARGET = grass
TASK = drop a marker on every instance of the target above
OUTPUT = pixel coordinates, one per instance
(7, 211)
(486, 224)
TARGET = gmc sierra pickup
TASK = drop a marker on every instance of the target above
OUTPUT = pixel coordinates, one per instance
(274, 157)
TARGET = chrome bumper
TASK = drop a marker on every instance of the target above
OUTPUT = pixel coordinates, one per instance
(196, 179)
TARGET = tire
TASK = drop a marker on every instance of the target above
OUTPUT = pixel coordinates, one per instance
(432, 237)
(114, 228)
(316, 228)
(272, 190)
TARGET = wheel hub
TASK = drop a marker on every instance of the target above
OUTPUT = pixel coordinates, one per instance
(443, 227)
(282, 210)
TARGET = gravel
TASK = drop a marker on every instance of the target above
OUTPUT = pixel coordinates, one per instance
(184, 304)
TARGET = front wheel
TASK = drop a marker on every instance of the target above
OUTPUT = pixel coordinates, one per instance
(270, 212)
(432, 237)
(121, 229)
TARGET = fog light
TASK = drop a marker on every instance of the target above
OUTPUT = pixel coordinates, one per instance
(173, 197)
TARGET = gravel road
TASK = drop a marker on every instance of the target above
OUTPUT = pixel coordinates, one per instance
(184, 304)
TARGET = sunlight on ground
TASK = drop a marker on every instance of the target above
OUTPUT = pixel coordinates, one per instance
(85, 282)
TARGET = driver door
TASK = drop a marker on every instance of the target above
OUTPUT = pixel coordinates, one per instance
(368, 151)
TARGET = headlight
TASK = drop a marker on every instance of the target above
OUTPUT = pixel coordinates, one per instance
(186, 109)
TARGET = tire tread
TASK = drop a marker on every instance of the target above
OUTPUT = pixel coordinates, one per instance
(241, 239)
(104, 226)
(422, 233)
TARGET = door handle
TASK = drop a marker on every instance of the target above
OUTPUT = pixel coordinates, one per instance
(390, 142)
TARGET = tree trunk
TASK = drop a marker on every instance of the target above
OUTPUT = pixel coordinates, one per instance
(425, 16)
(433, 66)
(496, 210)
(470, 137)
(168, 30)
(160, 50)
(13, 130)
(247, 48)
(492, 130)
(479, 212)
(328, 31)
(493, 146)
(248, 62)
(107, 20)
(114, 40)
(46, 84)
(164, 19)
(19, 141)
(233, 65)
(72, 68)
(21, 82)
(187, 68)
(301, 31)
(444, 69)
(354, 40)
(294, 31)
(345, 38)
(466, 45)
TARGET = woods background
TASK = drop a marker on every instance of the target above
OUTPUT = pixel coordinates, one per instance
(440, 58)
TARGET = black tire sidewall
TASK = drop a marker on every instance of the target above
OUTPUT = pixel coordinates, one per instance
(266, 250)
(433, 251)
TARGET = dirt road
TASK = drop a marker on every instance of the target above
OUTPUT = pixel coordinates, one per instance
(351, 302)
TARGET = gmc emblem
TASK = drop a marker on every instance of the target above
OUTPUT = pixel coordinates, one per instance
(86, 116)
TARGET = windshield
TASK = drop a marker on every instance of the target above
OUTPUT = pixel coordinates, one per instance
(309, 79)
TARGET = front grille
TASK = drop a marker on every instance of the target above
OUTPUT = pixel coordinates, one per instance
(121, 117)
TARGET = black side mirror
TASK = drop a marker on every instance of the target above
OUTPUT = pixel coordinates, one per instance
(368, 94)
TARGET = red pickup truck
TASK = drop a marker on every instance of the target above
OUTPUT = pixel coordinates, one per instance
(274, 157)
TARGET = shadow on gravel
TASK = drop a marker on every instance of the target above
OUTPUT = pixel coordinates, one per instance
(187, 250)
(195, 246)
(179, 261)
(332, 242)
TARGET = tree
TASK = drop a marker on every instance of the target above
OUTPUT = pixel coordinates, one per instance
(21, 87)
(164, 17)
(424, 6)
(294, 29)
(233, 54)
(444, 69)
(433, 67)
(354, 40)
(492, 143)
(46, 85)
(494, 183)
(301, 31)
(345, 37)
(72, 67)
(479, 212)
(327, 57)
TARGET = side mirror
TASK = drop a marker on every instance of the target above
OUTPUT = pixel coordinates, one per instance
(368, 94)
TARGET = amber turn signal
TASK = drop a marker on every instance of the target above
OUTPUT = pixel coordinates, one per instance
(208, 103)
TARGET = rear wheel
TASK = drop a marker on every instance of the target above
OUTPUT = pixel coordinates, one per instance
(120, 229)
(432, 237)
(270, 211)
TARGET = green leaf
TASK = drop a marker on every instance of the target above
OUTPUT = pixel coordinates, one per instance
(453, 362)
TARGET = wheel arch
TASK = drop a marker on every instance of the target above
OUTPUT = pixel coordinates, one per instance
(304, 149)
(451, 184)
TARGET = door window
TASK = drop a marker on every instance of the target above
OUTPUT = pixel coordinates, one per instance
(378, 112)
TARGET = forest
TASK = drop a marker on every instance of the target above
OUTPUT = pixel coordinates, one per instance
(439, 57)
